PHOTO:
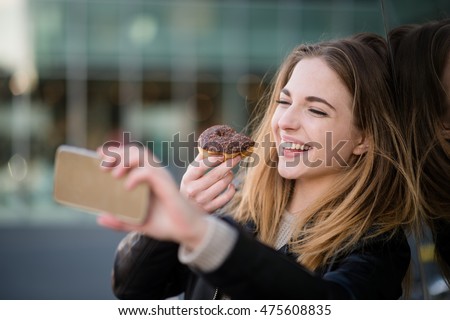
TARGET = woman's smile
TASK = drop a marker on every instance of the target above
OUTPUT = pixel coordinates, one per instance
(290, 148)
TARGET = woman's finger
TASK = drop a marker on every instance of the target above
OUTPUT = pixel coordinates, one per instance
(111, 222)
(159, 180)
(200, 166)
(131, 157)
(214, 175)
(215, 190)
(109, 155)
(123, 158)
(222, 199)
(220, 171)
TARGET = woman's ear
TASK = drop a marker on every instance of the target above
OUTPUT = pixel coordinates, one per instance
(361, 147)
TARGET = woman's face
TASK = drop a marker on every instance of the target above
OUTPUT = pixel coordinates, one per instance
(313, 123)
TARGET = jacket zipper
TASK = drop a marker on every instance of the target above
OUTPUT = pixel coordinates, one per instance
(216, 292)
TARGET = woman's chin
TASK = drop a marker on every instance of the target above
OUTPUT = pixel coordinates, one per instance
(290, 173)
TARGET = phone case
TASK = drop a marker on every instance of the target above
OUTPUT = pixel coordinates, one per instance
(79, 182)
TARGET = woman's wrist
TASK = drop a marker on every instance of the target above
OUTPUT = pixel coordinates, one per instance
(219, 240)
(192, 239)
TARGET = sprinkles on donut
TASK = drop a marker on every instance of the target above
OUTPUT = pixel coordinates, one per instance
(224, 140)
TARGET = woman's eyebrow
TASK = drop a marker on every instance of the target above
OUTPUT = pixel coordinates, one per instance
(310, 98)
(317, 99)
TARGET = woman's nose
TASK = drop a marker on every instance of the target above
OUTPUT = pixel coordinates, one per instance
(290, 119)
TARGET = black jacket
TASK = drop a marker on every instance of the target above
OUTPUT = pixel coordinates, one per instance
(442, 239)
(148, 269)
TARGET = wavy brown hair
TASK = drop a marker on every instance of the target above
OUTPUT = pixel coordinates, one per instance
(372, 195)
(420, 54)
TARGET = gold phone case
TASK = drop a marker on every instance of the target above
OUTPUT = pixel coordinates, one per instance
(79, 182)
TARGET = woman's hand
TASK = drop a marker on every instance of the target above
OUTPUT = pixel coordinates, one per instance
(170, 216)
(207, 182)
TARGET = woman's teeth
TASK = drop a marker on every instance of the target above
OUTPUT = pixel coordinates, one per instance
(295, 146)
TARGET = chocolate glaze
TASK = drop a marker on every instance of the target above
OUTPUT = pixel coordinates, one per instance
(222, 138)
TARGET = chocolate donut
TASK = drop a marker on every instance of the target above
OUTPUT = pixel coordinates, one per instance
(224, 140)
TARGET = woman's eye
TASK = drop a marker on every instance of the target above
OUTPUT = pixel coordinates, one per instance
(318, 112)
(282, 102)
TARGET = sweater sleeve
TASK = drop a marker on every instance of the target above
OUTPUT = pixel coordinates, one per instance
(217, 244)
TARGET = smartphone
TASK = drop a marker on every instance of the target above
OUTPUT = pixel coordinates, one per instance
(80, 182)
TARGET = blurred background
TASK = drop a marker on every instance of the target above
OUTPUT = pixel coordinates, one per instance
(83, 72)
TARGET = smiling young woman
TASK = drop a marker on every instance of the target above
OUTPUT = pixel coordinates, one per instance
(327, 222)
(338, 206)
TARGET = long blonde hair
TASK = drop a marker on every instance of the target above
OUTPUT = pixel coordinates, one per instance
(372, 196)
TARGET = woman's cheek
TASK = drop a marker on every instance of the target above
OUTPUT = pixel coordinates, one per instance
(276, 116)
